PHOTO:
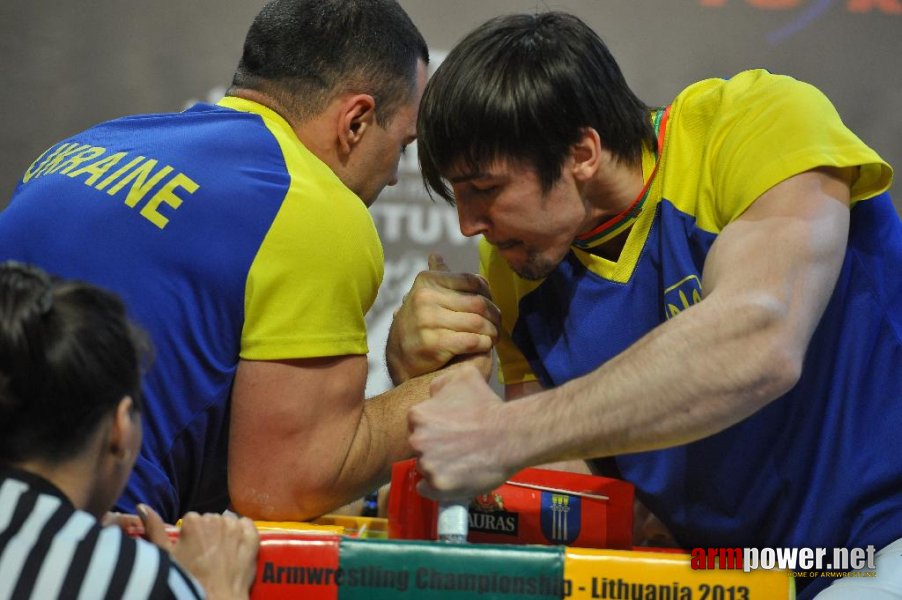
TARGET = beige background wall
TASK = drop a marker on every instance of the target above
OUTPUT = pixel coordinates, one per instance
(67, 65)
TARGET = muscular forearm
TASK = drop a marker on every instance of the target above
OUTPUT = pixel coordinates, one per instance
(380, 438)
(685, 380)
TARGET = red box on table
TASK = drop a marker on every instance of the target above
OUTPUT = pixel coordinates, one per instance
(535, 506)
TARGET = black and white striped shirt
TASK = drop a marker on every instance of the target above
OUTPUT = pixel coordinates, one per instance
(49, 549)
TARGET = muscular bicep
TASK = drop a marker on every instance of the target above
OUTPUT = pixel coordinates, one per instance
(784, 253)
(292, 423)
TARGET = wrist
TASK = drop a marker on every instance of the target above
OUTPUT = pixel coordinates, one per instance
(514, 427)
(527, 425)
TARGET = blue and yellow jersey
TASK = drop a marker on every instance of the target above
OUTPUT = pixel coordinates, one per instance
(769, 479)
(226, 238)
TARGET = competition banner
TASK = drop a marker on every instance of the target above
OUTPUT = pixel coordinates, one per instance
(297, 563)
(630, 575)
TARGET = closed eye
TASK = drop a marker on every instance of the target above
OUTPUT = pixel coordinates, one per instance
(484, 189)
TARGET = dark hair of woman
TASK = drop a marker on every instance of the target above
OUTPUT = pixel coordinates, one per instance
(68, 355)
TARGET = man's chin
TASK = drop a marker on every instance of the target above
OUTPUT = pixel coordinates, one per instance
(532, 270)
(528, 262)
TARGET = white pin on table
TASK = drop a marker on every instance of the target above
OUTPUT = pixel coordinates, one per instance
(453, 521)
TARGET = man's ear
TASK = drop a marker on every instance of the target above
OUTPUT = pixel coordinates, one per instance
(586, 155)
(355, 117)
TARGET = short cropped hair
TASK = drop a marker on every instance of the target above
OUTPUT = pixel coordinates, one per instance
(68, 355)
(307, 52)
(524, 88)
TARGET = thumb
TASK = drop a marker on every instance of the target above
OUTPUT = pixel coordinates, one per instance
(437, 263)
(154, 528)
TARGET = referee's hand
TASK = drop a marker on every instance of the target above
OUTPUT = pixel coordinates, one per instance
(219, 550)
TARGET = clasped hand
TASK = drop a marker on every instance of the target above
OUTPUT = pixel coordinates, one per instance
(445, 315)
(458, 437)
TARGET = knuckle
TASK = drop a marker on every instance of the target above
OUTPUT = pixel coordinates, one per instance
(483, 343)
(476, 305)
(432, 353)
(428, 337)
(471, 343)
(412, 299)
(420, 300)
(478, 323)
(424, 466)
(442, 483)
(424, 279)
(474, 342)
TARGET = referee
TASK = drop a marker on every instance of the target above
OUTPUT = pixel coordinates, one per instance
(70, 429)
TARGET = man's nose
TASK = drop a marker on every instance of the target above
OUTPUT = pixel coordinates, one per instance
(472, 221)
